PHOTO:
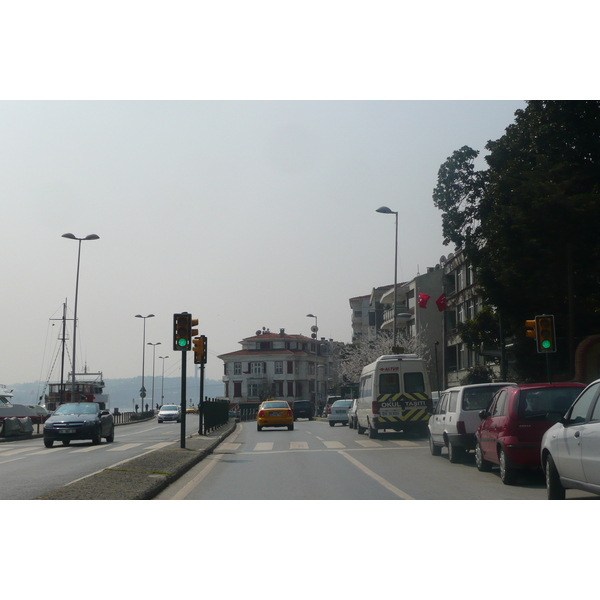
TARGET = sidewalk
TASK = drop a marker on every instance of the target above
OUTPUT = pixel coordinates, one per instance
(143, 477)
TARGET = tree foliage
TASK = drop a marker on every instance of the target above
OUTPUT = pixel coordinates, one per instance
(528, 223)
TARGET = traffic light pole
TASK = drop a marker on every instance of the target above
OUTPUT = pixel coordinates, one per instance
(183, 395)
(201, 402)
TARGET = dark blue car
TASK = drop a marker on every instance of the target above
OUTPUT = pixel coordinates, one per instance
(79, 421)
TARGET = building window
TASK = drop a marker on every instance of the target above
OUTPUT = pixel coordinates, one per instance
(237, 389)
(290, 388)
(253, 391)
(237, 368)
(311, 368)
(257, 368)
(290, 367)
(279, 389)
(278, 367)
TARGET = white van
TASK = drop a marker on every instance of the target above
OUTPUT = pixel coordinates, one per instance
(456, 418)
(394, 393)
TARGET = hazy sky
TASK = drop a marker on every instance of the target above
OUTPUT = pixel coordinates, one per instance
(247, 214)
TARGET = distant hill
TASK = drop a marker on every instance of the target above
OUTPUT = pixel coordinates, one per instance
(125, 393)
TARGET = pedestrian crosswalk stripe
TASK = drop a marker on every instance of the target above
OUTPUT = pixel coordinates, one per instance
(334, 445)
(229, 447)
(298, 445)
(369, 443)
(262, 446)
(404, 443)
(121, 447)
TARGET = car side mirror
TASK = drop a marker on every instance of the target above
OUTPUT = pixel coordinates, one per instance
(104, 412)
(555, 417)
(482, 414)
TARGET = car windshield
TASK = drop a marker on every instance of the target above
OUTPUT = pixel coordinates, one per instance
(170, 408)
(87, 408)
(479, 398)
(536, 404)
(275, 405)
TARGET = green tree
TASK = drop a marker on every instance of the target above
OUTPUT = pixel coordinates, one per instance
(528, 223)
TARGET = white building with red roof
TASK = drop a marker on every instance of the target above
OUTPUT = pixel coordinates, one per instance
(278, 365)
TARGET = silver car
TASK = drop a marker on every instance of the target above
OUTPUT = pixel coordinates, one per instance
(169, 412)
(571, 447)
(338, 412)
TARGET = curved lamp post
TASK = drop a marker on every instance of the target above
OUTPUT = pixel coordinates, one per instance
(70, 236)
(316, 354)
(162, 391)
(386, 211)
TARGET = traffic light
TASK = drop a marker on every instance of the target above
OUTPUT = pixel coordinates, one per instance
(530, 324)
(545, 334)
(200, 350)
(182, 331)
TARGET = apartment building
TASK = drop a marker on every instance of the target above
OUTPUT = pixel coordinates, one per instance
(279, 365)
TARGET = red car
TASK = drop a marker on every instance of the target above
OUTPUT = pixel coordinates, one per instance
(511, 429)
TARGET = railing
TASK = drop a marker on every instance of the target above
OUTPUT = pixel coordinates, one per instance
(122, 418)
(215, 413)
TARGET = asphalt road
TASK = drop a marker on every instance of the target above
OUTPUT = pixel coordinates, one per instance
(28, 469)
(319, 462)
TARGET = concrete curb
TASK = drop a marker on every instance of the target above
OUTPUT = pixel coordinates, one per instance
(143, 477)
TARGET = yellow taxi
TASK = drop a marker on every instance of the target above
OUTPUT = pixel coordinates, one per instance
(274, 413)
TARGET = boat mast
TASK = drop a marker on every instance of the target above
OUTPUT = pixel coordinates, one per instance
(62, 361)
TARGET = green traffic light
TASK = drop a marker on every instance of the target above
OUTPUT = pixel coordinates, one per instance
(182, 342)
(546, 344)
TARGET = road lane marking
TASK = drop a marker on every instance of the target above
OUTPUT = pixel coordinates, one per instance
(12, 452)
(160, 445)
(262, 446)
(228, 447)
(333, 445)
(404, 443)
(298, 445)
(90, 449)
(386, 484)
(369, 443)
(188, 487)
(120, 447)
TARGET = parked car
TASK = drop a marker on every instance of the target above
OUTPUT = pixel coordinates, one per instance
(338, 412)
(40, 411)
(169, 412)
(302, 409)
(274, 413)
(511, 430)
(79, 421)
(352, 415)
(571, 447)
(456, 418)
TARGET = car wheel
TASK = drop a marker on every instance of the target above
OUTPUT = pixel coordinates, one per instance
(372, 432)
(291, 427)
(455, 453)
(435, 450)
(508, 474)
(258, 427)
(97, 437)
(111, 436)
(480, 462)
(554, 488)
(331, 423)
(66, 442)
(48, 443)
(360, 429)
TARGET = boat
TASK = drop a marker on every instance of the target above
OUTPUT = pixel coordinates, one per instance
(8, 410)
(89, 387)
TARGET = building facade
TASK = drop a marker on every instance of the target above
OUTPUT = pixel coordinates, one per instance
(281, 366)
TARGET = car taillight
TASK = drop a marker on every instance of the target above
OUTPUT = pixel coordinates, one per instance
(261, 413)
(460, 427)
(329, 410)
(375, 407)
(289, 413)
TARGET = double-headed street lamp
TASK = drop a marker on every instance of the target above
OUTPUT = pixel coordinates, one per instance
(162, 392)
(143, 389)
(153, 365)
(70, 236)
(315, 334)
(386, 211)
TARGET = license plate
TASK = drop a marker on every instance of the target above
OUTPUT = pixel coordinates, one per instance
(66, 431)
(275, 414)
(340, 412)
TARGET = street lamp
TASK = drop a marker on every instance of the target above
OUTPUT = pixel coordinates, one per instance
(315, 335)
(153, 365)
(143, 389)
(162, 391)
(386, 211)
(70, 236)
